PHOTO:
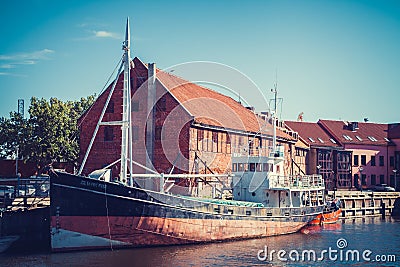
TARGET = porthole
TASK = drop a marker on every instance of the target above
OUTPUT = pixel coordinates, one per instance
(238, 193)
(267, 194)
(253, 194)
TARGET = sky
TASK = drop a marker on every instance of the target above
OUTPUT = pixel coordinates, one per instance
(337, 60)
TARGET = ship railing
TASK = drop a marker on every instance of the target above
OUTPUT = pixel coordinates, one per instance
(258, 152)
(296, 181)
(242, 151)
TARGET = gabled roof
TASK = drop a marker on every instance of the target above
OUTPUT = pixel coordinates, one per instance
(312, 134)
(359, 133)
(211, 108)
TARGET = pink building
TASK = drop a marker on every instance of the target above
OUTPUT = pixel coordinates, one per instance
(394, 136)
(352, 154)
(373, 151)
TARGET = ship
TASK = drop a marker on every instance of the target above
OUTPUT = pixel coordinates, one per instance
(98, 212)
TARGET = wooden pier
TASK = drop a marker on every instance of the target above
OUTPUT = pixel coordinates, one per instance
(365, 203)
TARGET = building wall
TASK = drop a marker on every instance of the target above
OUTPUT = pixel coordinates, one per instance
(366, 173)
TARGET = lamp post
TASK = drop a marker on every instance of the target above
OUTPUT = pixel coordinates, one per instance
(360, 178)
(395, 179)
(318, 167)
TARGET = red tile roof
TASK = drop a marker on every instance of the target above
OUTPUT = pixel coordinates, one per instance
(211, 108)
(366, 133)
(312, 134)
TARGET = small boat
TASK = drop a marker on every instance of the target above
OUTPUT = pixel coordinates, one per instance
(330, 214)
(97, 212)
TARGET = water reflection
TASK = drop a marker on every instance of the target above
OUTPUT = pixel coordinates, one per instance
(371, 233)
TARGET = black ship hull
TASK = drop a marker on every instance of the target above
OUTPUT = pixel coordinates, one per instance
(92, 214)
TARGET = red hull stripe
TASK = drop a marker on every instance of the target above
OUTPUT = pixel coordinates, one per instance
(332, 217)
(103, 232)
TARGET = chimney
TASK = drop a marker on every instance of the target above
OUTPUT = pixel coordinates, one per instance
(150, 125)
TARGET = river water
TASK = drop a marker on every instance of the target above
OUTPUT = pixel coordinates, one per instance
(358, 242)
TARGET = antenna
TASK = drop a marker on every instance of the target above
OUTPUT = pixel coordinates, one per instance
(275, 92)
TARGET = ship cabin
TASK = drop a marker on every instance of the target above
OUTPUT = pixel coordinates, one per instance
(262, 179)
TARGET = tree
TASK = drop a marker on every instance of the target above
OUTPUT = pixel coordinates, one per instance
(50, 134)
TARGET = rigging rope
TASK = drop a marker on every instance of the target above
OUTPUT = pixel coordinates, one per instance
(108, 218)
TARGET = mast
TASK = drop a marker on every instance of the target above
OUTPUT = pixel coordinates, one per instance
(126, 146)
(275, 92)
(126, 142)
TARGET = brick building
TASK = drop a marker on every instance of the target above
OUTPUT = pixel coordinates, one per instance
(177, 126)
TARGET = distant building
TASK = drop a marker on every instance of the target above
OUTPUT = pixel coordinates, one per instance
(325, 156)
(370, 146)
(352, 154)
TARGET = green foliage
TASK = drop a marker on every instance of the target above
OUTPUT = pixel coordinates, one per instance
(50, 133)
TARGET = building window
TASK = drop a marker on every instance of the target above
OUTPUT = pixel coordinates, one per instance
(355, 160)
(391, 161)
(392, 183)
(373, 159)
(363, 179)
(108, 134)
(381, 161)
(214, 145)
(135, 133)
(110, 107)
(356, 180)
(162, 104)
(373, 179)
(159, 133)
(228, 143)
(200, 136)
(135, 106)
(363, 160)
(382, 179)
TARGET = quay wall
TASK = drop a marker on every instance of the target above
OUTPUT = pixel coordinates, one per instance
(31, 226)
(365, 203)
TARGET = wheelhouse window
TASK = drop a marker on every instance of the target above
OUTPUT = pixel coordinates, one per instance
(259, 167)
(240, 167)
(265, 167)
(234, 167)
(252, 167)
